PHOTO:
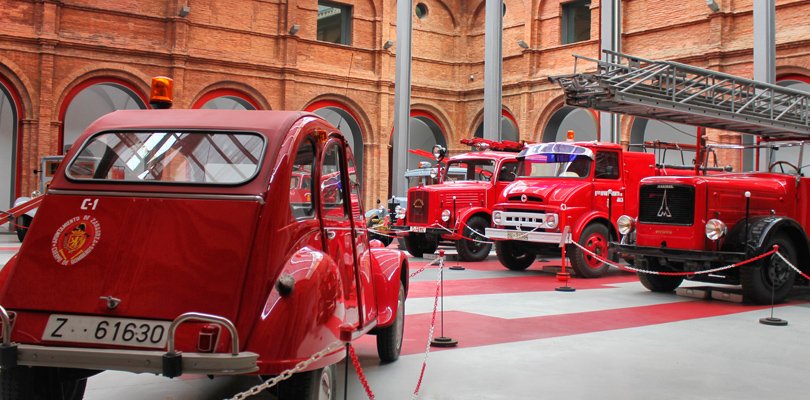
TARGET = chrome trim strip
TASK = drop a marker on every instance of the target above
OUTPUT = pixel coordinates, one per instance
(195, 316)
(195, 196)
(537, 237)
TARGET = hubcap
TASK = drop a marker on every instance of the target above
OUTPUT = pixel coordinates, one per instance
(325, 389)
(778, 272)
(598, 245)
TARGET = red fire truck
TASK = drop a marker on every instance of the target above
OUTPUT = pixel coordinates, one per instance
(459, 208)
(191, 246)
(567, 191)
(703, 227)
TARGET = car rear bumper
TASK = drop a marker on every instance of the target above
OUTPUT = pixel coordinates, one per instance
(678, 255)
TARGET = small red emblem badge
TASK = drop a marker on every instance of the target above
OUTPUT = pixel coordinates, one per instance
(75, 239)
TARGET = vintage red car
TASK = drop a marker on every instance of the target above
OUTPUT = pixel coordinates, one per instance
(194, 246)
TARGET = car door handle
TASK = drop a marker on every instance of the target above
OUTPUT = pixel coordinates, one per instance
(330, 234)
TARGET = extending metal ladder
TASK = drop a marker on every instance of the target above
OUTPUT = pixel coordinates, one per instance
(676, 92)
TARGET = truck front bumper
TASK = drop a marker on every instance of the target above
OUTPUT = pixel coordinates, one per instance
(536, 237)
(678, 255)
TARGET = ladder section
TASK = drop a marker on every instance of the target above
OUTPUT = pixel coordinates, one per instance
(676, 92)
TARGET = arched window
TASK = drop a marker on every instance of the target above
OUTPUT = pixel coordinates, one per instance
(579, 120)
(426, 132)
(9, 122)
(92, 99)
(226, 99)
(509, 129)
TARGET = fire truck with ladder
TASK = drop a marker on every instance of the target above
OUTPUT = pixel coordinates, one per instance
(459, 208)
(703, 227)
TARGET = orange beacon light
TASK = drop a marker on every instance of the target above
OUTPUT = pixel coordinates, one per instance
(161, 93)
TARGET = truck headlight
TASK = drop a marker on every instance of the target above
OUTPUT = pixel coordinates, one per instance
(715, 229)
(625, 224)
(399, 211)
(497, 217)
(551, 221)
(446, 215)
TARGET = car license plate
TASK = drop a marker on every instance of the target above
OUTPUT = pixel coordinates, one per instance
(517, 235)
(418, 229)
(103, 330)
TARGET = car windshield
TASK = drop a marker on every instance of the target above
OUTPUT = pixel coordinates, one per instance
(551, 160)
(209, 158)
(471, 170)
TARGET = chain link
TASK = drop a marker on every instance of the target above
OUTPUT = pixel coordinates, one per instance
(415, 394)
(287, 374)
(792, 266)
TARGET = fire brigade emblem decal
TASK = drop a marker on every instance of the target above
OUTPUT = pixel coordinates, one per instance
(664, 210)
(523, 198)
(418, 203)
(75, 239)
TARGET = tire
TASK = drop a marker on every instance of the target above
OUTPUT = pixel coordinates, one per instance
(771, 279)
(514, 256)
(418, 244)
(594, 238)
(659, 283)
(39, 383)
(472, 250)
(23, 222)
(389, 339)
(319, 384)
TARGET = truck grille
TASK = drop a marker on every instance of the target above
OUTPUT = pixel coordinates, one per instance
(418, 207)
(667, 204)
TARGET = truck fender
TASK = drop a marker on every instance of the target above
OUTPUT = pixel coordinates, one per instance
(22, 200)
(466, 214)
(587, 219)
(761, 229)
(390, 268)
(292, 327)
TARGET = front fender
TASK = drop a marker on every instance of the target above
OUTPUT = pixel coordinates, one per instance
(293, 327)
(761, 229)
(390, 268)
(586, 220)
(466, 214)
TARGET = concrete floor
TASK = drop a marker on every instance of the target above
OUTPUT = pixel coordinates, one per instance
(520, 339)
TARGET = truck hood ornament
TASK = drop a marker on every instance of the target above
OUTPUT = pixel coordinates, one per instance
(664, 210)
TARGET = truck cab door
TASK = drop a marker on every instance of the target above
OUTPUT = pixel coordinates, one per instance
(607, 183)
(335, 210)
(507, 173)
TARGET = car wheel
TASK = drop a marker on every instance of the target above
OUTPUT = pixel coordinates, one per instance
(514, 256)
(319, 384)
(771, 279)
(594, 238)
(414, 244)
(659, 283)
(389, 339)
(39, 383)
(470, 246)
(23, 222)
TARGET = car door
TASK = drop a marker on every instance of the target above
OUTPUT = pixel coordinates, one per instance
(363, 274)
(335, 210)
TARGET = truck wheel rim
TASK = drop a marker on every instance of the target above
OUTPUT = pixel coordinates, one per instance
(597, 244)
(325, 384)
(777, 272)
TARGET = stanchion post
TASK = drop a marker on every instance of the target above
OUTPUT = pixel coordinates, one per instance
(455, 218)
(564, 276)
(442, 341)
(773, 321)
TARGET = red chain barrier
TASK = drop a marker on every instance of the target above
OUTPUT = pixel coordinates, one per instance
(430, 334)
(793, 266)
(360, 373)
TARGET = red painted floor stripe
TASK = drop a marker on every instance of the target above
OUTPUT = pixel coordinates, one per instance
(10, 248)
(516, 284)
(472, 330)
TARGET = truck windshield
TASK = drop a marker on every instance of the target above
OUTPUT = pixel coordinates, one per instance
(209, 158)
(555, 165)
(470, 170)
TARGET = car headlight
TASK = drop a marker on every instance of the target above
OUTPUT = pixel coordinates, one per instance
(497, 217)
(625, 224)
(446, 215)
(552, 221)
(399, 211)
(715, 229)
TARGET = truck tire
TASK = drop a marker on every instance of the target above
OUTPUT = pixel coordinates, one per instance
(419, 243)
(39, 383)
(23, 222)
(389, 339)
(771, 279)
(319, 384)
(514, 256)
(659, 283)
(594, 238)
(469, 247)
